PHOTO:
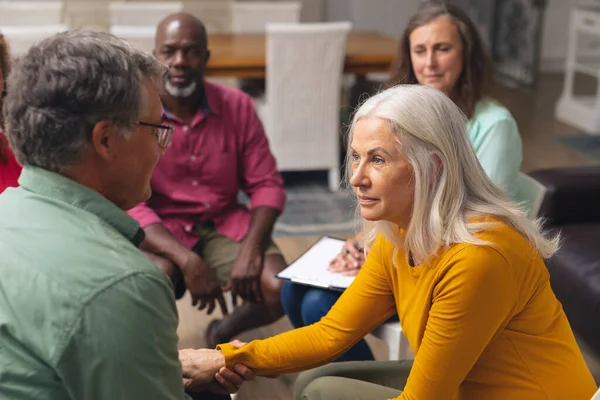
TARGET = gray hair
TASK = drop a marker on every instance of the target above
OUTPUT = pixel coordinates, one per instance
(430, 129)
(64, 85)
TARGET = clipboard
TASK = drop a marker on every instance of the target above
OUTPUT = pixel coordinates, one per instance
(311, 267)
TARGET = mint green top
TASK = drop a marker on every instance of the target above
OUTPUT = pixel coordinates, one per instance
(495, 137)
(83, 313)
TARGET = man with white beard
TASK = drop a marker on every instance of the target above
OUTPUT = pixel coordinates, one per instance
(196, 230)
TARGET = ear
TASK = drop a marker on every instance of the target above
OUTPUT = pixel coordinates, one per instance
(207, 57)
(104, 139)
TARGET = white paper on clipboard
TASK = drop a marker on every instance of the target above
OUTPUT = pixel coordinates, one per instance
(311, 267)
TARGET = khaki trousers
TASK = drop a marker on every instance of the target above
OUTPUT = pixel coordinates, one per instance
(354, 380)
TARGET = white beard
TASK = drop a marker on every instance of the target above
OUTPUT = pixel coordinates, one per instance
(180, 92)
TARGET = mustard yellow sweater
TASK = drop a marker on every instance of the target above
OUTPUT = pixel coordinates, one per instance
(483, 322)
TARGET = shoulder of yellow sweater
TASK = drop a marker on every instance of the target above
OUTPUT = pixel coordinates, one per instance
(500, 240)
(382, 244)
(499, 237)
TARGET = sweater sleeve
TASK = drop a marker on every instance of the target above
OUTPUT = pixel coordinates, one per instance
(363, 306)
(472, 302)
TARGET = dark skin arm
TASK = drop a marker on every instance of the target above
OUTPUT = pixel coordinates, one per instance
(200, 280)
(161, 242)
(244, 280)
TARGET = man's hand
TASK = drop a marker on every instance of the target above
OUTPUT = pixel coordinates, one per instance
(199, 279)
(203, 284)
(200, 366)
(349, 261)
(244, 280)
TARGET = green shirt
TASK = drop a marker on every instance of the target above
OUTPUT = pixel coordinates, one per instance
(83, 313)
(495, 137)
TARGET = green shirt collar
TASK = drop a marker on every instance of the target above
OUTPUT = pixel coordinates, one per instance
(61, 188)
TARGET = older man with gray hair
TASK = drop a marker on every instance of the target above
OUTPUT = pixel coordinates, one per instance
(83, 313)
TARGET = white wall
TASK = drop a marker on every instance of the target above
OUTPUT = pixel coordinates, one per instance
(386, 16)
(312, 10)
(555, 34)
(390, 17)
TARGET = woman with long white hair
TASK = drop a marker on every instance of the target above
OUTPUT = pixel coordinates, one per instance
(440, 47)
(460, 263)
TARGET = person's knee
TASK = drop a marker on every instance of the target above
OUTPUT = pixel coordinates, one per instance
(289, 297)
(326, 387)
(315, 305)
(271, 285)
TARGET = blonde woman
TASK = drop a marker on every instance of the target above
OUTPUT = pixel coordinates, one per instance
(441, 48)
(460, 263)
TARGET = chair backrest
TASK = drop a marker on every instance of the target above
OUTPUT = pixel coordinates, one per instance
(304, 71)
(252, 17)
(30, 13)
(147, 13)
(529, 192)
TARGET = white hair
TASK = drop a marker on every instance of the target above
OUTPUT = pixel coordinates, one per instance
(450, 186)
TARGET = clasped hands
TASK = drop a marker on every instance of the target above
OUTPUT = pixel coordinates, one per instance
(204, 370)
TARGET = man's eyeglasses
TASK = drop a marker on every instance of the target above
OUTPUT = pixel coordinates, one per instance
(163, 133)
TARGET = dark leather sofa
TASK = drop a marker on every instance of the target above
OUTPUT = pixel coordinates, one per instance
(572, 204)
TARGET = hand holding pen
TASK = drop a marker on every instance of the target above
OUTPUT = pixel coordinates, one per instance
(349, 261)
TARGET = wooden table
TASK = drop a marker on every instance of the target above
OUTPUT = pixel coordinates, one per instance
(244, 55)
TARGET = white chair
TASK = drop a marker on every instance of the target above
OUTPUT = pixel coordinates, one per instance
(398, 346)
(252, 17)
(30, 13)
(530, 193)
(144, 14)
(301, 108)
(21, 38)
(596, 396)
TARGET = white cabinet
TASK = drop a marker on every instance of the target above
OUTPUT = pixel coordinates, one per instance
(582, 112)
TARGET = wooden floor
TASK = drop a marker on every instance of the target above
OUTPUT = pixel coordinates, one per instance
(533, 111)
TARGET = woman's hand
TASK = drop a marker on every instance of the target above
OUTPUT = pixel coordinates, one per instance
(204, 370)
(350, 259)
(239, 344)
(229, 381)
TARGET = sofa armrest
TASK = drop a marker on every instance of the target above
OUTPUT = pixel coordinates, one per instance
(572, 194)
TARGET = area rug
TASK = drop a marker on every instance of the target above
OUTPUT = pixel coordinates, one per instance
(587, 144)
(312, 209)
